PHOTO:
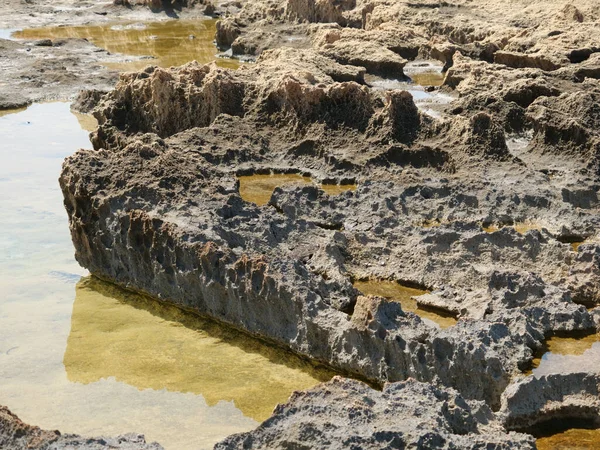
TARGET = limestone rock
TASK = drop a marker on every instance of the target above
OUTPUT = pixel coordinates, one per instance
(348, 414)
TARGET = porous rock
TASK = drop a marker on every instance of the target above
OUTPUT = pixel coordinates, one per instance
(345, 413)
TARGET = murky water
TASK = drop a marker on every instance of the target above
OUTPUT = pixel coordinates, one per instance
(572, 439)
(425, 73)
(403, 294)
(84, 357)
(170, 43)
(151, 345)
(259, 188)
(428, 102)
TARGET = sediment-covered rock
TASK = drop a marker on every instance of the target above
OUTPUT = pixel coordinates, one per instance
(16, 435)
(349, 414)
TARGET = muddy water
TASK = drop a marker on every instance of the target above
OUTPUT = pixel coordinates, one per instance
(170, 43)
(563, 354)
(403, 294)
(422, 75)
(425, 73)
(573, 439)
(70, 353)
(259, 188)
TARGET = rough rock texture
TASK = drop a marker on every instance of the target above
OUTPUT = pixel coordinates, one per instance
(31, 72)
(475, 190)
(347, 414)
(16, 435)
(536, 400)
(156, 208)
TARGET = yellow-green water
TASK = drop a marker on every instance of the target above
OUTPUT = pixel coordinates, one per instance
(83, 357)
(433, 78)
(259, 188)
(403, 294)
(152, 345)
(171, 43)
(572, 439)
(559, 352)
(520, 227)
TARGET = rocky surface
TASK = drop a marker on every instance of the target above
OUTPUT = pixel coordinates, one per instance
(474, 190)
(16, 435)
(560, 396)
(156, 208)
(346, 414)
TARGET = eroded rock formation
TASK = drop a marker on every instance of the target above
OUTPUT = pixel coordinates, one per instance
(477, 198)
(345, 414)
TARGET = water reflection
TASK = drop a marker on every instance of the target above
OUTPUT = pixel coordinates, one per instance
(87, 122)
(152, 345)
(567, 352)
(403, 294)
(171, 43)
(7, 112)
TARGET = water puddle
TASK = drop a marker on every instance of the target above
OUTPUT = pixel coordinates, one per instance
(571, 439)
(518, 143)
(403, 294)
(425, 73)
(259, 188)
(71, 357)
(152, 345)
(169, 43)
(420, 86)
(520, 227)
(565, 353)
(337, 189)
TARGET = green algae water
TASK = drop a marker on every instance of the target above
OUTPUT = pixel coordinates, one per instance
(169, 43)
(84, 357)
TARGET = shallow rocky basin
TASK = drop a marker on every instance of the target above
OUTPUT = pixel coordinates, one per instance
(448, 148)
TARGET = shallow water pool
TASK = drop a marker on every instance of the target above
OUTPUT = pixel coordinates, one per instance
(169, 43)
(404, 295)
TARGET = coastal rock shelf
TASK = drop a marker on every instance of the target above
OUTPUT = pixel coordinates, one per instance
(158, 208)
(403, 192)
